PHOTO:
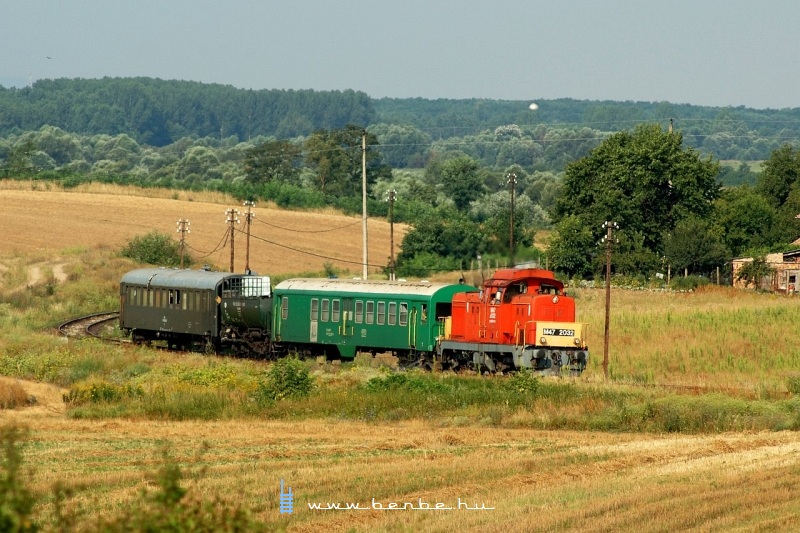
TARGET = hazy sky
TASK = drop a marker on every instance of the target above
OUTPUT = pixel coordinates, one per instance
(714, 52)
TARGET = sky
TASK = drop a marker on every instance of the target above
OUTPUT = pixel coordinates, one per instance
(701, 52)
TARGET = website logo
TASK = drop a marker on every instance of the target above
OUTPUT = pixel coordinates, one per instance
(287, 500)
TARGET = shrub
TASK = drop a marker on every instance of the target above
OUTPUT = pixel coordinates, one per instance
(286, 378)
(155, 248)
(688, 283)
(16, 501)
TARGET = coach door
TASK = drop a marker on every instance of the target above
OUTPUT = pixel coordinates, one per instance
(346, 328)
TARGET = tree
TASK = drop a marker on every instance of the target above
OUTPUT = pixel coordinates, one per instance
(445, 234)
(272, 160)
(755, 272)
(461, 181)
(646, 181)
(572, 247)
(780, 174)
(336, 158)
(694, 246)
(744, 219)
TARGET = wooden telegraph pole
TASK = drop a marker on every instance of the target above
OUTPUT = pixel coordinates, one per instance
(183, 229)
(248, 217)
(232, 218)
(609, 227)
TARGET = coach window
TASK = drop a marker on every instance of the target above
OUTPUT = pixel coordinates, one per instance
(314, 309)
(326, 306)
(381, 312)
(403, 314)
(392, 313)
(285, 307)
(172, 298)
(336, 307)
(158, 297)
(370, 312)
(359, 311)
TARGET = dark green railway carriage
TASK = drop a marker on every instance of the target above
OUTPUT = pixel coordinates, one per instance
(186, 306)
(339, 317)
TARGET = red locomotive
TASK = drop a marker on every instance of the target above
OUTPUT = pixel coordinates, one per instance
(521, 319)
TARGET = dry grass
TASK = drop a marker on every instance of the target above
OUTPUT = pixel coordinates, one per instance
(49, 222)
(718, 338)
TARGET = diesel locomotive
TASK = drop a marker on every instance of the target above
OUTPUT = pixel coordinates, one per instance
(520, 318)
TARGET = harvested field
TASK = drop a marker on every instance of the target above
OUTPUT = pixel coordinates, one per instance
(46, 222)
(531, 480)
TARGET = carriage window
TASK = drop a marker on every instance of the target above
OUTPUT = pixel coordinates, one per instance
(315, 309)
(425, 312)
(370, 312)
(325, 309)
(182, 298)
(173, 297)
(285, 307)
(359, 311)
(392, 313)
(158, 297)
(335, 311)
(381, 312)
(403, 314)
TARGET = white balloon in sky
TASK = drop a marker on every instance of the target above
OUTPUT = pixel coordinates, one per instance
(533, 107)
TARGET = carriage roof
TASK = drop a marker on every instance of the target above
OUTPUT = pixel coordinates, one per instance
(174, 278)
(372, 287)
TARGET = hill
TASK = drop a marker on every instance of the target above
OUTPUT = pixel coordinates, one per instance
(44, 222)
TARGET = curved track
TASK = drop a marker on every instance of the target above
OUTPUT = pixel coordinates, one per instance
(89, 326)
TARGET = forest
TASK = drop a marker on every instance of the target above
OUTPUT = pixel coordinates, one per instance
(670, 173)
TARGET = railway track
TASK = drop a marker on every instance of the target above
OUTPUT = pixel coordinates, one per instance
(94, 325)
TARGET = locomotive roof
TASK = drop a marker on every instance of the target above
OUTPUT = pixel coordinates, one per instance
(370, 286)
(174, 278)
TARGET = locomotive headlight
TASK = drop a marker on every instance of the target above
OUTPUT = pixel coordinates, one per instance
(542, 341)
(577, 341)
(555, 299)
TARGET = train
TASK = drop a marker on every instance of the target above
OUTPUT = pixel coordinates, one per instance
(521, 318)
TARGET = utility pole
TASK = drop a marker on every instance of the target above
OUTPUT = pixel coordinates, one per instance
(183, 229)
(364, 200)
(248, 217)
(512, 183)
(232, 218)
(609, 227)
(392, 198)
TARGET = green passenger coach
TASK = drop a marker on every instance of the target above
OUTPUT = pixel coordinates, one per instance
(339, 317)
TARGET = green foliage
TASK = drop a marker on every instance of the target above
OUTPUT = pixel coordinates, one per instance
(16, 500)
(756, 273)
(155, 248)
(694, 246)
(523, 382)
(286, 378)
(98, 391)
(646, 181)
(272, 161)
(687, 283)
(405, 382)
(461, 181)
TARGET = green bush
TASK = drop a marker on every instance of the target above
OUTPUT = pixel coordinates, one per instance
(16, 501)
(155, 248)
(688, 283)
(286, 378)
